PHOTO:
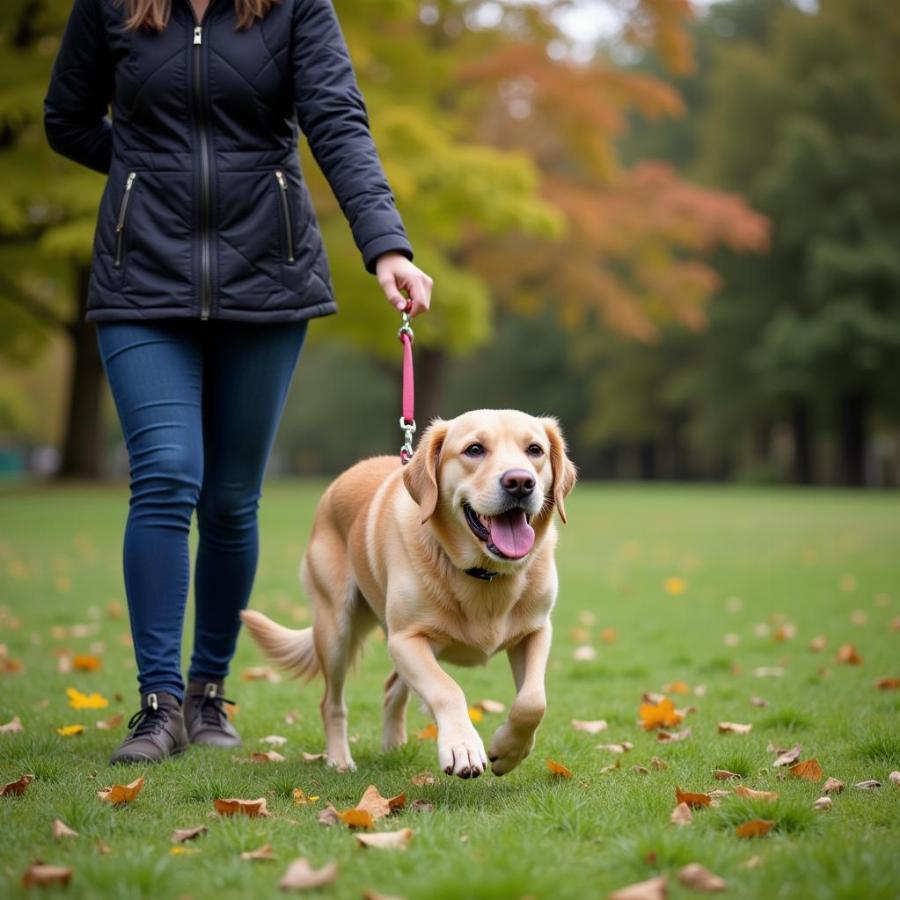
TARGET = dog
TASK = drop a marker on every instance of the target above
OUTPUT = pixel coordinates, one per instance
(453, 556)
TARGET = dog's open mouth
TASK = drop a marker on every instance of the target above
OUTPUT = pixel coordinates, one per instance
(508, 535)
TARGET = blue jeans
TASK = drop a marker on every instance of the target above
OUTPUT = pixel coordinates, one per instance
(199, 404)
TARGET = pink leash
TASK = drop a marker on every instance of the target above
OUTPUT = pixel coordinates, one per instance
(408, 417)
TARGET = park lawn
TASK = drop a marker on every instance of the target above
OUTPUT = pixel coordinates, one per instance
(744, 563)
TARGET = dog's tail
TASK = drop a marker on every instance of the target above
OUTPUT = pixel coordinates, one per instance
(291, 649)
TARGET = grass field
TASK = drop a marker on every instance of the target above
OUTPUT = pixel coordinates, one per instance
(667, 584)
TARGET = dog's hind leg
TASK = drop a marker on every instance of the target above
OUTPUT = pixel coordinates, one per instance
(396, 695)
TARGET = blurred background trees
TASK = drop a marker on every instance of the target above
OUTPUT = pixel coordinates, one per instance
(676, 227)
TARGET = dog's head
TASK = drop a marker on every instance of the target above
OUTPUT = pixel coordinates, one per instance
(489, 480)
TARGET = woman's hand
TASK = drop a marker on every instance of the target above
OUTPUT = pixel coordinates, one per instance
(396, 274)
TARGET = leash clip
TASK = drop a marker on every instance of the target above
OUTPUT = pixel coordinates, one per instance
(408, 429)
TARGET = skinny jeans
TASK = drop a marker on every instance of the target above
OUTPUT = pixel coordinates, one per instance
(199, 405)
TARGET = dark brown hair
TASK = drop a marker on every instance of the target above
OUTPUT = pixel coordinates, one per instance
(154, 14)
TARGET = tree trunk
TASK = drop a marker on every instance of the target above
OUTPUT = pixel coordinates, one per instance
(800, 425)
(647, 461)
(83, 442)
(852, 415)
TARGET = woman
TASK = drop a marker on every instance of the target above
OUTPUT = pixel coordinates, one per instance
(207, 266)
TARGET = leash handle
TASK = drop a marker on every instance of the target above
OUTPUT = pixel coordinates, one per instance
(408, 399)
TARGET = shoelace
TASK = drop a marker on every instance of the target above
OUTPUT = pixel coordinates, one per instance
(212, 711)
(148, 720)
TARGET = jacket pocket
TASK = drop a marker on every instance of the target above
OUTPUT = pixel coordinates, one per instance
(121, 219)
(287, 229)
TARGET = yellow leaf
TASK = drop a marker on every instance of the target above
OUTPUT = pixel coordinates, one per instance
(77, 700)
(661, 714)
(121, 793)
(674, 585)
(70, 730)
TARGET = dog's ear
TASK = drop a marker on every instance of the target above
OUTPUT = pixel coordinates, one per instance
(421, 473)
(564, 472)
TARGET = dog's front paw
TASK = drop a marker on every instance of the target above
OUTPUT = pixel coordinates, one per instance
(461, 751)
(508, 749)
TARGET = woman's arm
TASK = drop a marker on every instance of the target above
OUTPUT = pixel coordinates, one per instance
(80, 91)
(332, 114)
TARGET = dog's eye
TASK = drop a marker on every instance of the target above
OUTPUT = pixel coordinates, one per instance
(474, 450)
(535, 450)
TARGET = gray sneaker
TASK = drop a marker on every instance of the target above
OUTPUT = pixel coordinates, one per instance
(157, 731)
(205, 716)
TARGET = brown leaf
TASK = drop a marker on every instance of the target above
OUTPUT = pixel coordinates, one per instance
(894, 778)
(883, 684)
(788, 757)
(559, 769)
(15, 724)
(594, 726)
(652, 889)
(180, 835)
(697, 878)
(260, 853)
(493, 707)
(817, 644)
(422, 779)
(754, 828)
(301, 798)
(428, 733)
(624, 747)
(734, 728)
(848, 655)
(301, 876)
(377, 806)
(121, 793)
(264, 756)
(60, 830)
(808, 770)
(40, 875)
(870, 785)
(692, 799)
(758, 702)
(823, 804)
(750, 794)
(682, 815)
(329, 816)
(312, 757)
(833, 786)
(386, 840)
(357, 818)
(673, 737)
(421, 806)
(658, 764)
(102, 847)
(235, 807)
(114, 721)
(261, 673)
(16, 788)
(725, 775)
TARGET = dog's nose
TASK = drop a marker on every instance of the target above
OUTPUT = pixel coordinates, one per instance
(517, 482)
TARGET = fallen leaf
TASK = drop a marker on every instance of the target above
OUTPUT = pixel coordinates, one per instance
(594, 726)
(183, 851)
(894, 778)
(659, 715)
(658, 764)
(585, 653)
(374, 895)
(848, 655)
(559, 769)
(788, 757)
(859, 617)
(494, 707)
(121, 793)
(329, 816)
(301, 876)
(60, 830)
(769, 671)
(883, 684)
(868, 785)
(808, 770)
(674, 586)
(386, 840)
(725, 775)
(260, 853)
(833, 786)
(78, 700)
(422, 779)
(377, 806)
(823, 804)
(428, 733)
(102, 847)
(180, 835)
(697, 878)
(12, 726)
(692, 799)
(260, 673)
(16, 788)
(87, 662)
(421, 806)
(609, 635)
(114, 721)
(312, 757)
(753, 862)
(115, 610)
(682, 815)
(357, 818)
(785, 632)
(264, 756)
(235, 807)
(70, 730)
(475, 714)
(717, 794)
(750, 794)
(754, 828)
(640, 770)
(40, 875)
(274, 740)
(677, 687)
(734, 728)
(817, 644)
(624, 747)
(652, 889)
(758, 702)
(301, 798)
(673, 737)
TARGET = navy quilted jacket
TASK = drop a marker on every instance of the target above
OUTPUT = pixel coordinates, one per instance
(205, 211)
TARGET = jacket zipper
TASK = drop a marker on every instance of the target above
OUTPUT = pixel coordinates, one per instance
(205, 180)
(120, 222)
(286, 213)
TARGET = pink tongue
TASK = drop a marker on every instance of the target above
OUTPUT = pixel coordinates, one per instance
(511, 534)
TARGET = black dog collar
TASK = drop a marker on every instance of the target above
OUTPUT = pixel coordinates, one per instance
(481, 574)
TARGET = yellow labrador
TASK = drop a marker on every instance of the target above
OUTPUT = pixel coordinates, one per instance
(453, 556)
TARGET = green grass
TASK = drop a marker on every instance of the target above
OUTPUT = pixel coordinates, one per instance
(748, 557)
